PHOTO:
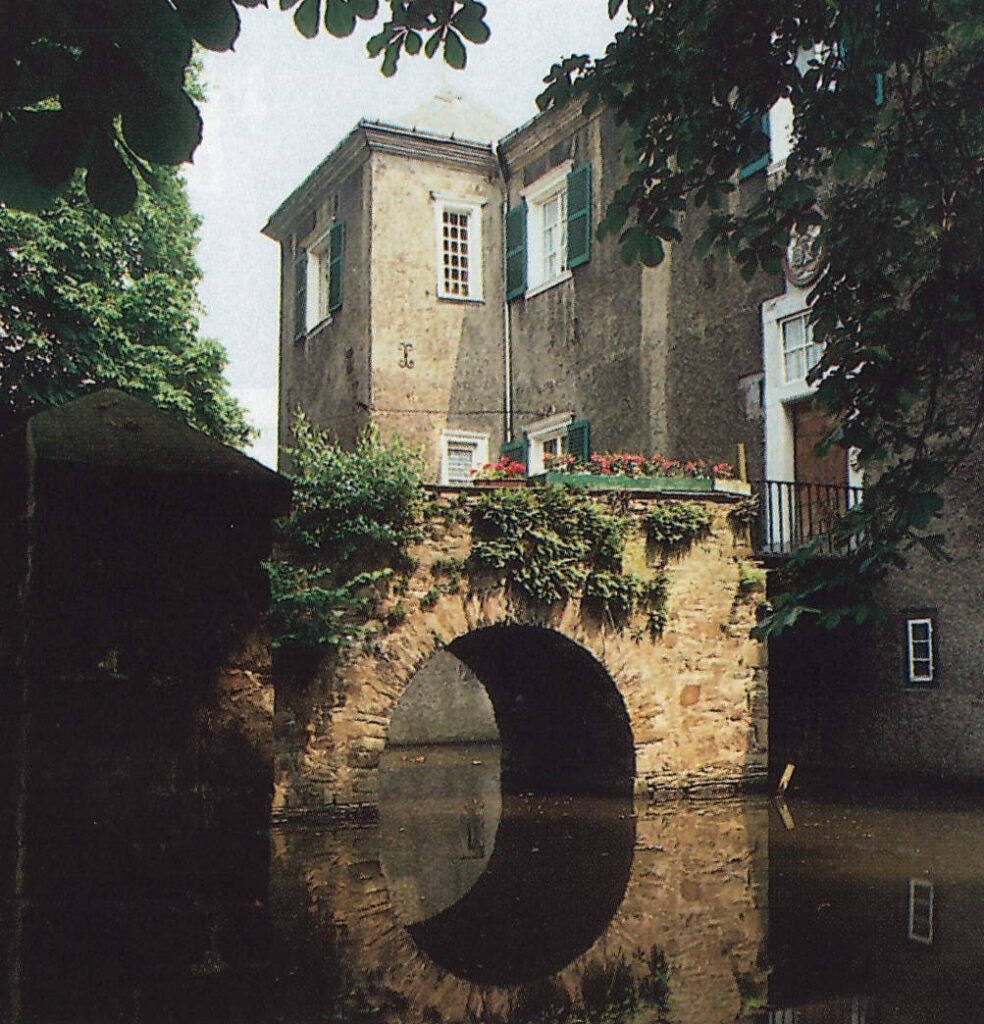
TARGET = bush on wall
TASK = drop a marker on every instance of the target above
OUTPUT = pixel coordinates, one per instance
(558, 545)
(352, 516)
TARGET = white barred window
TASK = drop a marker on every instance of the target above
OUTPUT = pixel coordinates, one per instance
(463, 454)
(459, 249)
(454, 253)
(800, 353)
(920, 645)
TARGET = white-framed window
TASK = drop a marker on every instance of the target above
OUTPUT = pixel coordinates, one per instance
(546, 437)
(919, 650)
(546, 229)
(325, 254)
(463, 454)
(800, 353)
(459, 247)
(921, 898)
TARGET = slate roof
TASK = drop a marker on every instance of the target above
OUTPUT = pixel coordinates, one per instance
(112, 429)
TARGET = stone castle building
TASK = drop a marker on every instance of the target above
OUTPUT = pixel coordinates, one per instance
(442, 279)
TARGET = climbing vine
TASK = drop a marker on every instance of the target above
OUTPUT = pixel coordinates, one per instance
(352, 517)
(676, 524)
(556, 545)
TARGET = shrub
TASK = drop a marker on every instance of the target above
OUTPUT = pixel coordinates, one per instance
(352, 516)
(676, 523)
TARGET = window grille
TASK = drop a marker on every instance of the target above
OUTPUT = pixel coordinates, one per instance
(455, 253)
(921, 911)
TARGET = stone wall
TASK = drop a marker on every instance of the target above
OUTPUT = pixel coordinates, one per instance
(327, 373)
(695, 698)
(843, 702)
(453, 373)
(658, 359)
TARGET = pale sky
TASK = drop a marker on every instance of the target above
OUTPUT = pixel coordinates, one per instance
(280, 103)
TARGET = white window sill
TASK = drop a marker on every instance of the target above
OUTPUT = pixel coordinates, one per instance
(468, 300)
(546, 285)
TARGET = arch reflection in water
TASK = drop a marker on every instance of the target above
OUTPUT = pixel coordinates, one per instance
(550, 881)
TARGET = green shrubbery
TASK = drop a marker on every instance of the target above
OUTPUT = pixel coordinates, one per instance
(352, 516)
(555, 545)
(673, 524)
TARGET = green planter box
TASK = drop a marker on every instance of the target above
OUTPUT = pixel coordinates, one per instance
(689, 485)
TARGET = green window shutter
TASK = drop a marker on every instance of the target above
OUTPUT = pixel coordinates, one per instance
(579, 216)
(516, 252)
(336, 265)
(758, 151)
(579, 440)
(300, 291)
(516, 450)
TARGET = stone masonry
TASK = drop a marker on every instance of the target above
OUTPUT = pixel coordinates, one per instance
(696, 698)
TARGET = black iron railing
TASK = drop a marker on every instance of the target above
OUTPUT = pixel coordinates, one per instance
(793, 514)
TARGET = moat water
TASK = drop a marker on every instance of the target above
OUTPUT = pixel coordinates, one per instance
(460, 904)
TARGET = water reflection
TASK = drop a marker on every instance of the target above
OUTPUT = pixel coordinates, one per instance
(462, 907)
(497, 891)
(877, 911)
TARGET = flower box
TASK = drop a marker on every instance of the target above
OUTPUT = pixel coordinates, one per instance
(599, 482)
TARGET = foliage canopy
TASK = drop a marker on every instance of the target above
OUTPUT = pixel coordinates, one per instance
(101, 84)
(88, 300)
(885, 163)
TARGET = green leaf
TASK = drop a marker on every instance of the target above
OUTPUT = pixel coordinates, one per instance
(366, 9)
(651, 250)
(60, 149)
(18, 189)
(377, 42)
(430, 47)
(339, 18)
(286, 5)
(161, 125)
(306, 18)
(614, 6)
(454, 50)
(109, 183)
(390, 60)
(213, 23)
(703, 244)
(157, 39)
(470, 23)
(412, 42)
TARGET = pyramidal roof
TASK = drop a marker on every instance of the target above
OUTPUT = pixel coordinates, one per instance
(447, 113)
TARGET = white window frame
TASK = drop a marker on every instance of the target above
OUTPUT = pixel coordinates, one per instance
(551, 187)
(472, 208)
(318, 282)
(921, 925)
(915, 677)
(808, 347)
(478, 443)
(541, 433)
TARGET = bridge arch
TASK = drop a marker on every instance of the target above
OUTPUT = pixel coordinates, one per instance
(691, 704)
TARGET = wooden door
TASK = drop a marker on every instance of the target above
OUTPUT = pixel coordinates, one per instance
(821, 480)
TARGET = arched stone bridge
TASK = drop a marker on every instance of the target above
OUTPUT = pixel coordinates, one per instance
(579, 706)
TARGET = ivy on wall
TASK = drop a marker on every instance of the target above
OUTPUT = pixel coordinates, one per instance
(556, 544)
(343, 551)
(677, 524)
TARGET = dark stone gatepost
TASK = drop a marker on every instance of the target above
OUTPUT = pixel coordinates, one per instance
(135, 711)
